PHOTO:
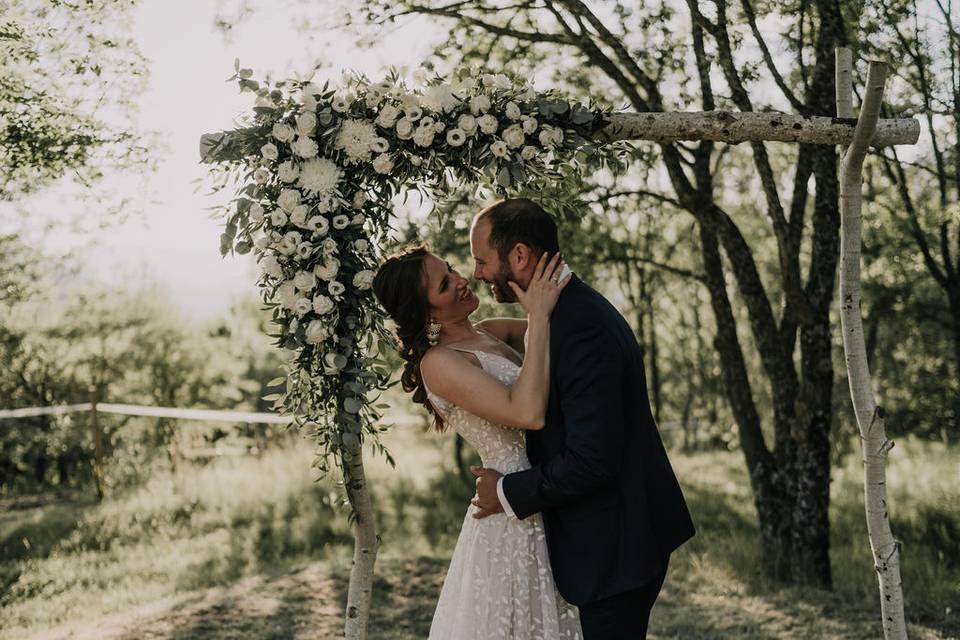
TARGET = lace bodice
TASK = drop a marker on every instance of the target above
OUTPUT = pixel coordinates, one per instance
(500, 447)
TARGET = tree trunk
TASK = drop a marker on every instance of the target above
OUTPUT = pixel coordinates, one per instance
(360, 592)
(886, 550)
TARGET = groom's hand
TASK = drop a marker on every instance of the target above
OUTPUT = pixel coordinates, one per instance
(487, 501)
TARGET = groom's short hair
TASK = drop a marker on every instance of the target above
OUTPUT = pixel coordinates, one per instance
(519, 220)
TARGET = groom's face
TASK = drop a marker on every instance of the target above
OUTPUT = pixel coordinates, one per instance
(488, 266)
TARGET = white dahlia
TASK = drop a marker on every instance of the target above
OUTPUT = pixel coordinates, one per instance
(356, 139)
(319, 176)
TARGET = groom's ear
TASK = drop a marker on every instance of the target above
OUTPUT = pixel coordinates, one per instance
(521, 257)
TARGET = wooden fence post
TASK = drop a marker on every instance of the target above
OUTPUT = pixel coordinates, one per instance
(97, 442)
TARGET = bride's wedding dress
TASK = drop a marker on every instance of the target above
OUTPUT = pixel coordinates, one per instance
(499, 585)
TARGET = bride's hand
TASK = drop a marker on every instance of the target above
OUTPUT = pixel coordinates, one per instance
(545, 287)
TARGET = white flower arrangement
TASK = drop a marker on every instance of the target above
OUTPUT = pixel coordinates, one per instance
(314, 167)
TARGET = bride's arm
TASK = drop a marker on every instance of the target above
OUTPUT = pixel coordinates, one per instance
(524, 405)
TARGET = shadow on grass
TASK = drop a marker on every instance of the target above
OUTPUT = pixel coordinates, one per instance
(269, 537)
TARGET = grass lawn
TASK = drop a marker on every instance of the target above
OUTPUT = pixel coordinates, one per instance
(254, 548)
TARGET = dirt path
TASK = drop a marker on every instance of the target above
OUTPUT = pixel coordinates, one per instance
(307, 602)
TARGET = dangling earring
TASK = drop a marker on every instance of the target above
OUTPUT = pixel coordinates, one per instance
(433, 332)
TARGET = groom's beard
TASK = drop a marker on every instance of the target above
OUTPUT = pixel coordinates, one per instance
(499, 287)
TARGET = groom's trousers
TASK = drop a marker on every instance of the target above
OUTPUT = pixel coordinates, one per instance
(624, 616)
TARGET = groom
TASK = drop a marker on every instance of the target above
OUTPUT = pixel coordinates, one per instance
(611, 505)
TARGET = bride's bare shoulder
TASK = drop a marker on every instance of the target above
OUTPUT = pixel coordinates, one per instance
(439, 361)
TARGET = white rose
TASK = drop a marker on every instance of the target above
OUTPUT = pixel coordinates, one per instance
(287, 294)
(379, 145)
(306, 123)
(292, 237)
(502, 81)
(424, 136)
(404, 129)
(388, 116)
(468, 124)
(373, 98)
(558, 136)
(336, 289)
(315, 332)
(512, 110)
(282, 132)
(327, 203)
(256, 212)
(304, 250)
(357, 219)
(319, 225)
(413, 113)
(340, 221)
(528, 153)
(499, 149)
(361, 246)
(513, 136)
(261, 175)
(382, 163)
(529, 125)
(426, 122)
(410, 101)
(359, 199)
(328, 270)
(322, 305)
(439, 98)
(302, 307)
(299, 215)
(479, 104)
(286, 247)
(305, 147)
(278, 218)
(340, 104)
(261, 242)
(304, 281)
(288, 171)
(363, 280)
(271, 266)
(270, 151)
(456, 137)
(487, 123)
(329, 246)
(289, 198)
(487, 79)
(546, 136)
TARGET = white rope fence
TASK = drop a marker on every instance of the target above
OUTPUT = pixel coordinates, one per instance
(209, 415)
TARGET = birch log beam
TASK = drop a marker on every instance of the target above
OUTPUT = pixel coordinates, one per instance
(735, 127)
(874, 442)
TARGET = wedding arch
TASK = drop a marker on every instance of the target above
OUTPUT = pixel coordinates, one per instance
(315, 169)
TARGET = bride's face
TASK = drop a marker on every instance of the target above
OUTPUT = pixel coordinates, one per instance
(448, 292)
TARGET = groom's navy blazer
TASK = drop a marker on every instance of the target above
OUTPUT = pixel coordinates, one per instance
(612, 507)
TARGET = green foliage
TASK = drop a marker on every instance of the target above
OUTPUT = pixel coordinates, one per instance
(135, 350)
(180, 535)
(59, 62)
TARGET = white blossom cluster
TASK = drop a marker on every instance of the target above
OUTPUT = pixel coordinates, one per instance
(311, 207)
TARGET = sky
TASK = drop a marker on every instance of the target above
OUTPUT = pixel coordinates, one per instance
(171, 241)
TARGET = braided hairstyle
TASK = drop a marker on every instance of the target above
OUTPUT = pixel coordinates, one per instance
(400, 286)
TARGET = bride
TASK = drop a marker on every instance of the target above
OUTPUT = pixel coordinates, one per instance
(474, 378)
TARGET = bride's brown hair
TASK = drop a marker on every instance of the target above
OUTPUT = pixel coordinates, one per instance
(400, 286)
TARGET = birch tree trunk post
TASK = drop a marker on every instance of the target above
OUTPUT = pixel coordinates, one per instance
(874, 442)
(360, 590)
